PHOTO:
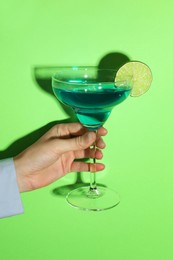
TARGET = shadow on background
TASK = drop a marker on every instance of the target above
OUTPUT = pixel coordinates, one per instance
(42, 78)
(22, 143)
(113, 60)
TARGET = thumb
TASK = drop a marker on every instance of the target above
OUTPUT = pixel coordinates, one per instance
(76, 143)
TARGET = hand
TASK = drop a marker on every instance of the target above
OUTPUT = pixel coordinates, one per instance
(55, 154)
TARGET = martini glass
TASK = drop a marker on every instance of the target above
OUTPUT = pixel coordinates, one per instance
(92, 93)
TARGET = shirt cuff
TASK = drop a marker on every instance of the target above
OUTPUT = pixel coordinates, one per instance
(10, 200)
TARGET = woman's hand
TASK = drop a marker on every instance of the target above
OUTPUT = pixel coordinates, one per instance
(55, 154)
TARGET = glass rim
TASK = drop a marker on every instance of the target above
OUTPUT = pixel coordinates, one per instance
(96, 83)
(80, 68)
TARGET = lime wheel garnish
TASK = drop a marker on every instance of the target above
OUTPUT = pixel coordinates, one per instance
(139, 75)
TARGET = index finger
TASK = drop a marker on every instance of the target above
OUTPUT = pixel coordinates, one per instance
(73, 129)
(64, 130)
(67, 130)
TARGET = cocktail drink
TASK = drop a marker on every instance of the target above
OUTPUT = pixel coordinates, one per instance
(92, 93)
(91, 101)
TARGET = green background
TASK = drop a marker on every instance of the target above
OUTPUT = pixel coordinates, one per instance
(138, 156)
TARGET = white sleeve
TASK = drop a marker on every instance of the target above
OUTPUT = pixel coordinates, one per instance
(10, 200)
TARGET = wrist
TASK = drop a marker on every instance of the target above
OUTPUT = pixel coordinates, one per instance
(20, 177)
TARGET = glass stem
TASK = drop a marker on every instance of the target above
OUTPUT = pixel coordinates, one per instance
(93, 185)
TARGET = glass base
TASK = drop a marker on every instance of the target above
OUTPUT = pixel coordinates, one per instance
(98, 199)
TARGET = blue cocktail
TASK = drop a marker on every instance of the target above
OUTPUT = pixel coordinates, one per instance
(93, 102)
(92, 93)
